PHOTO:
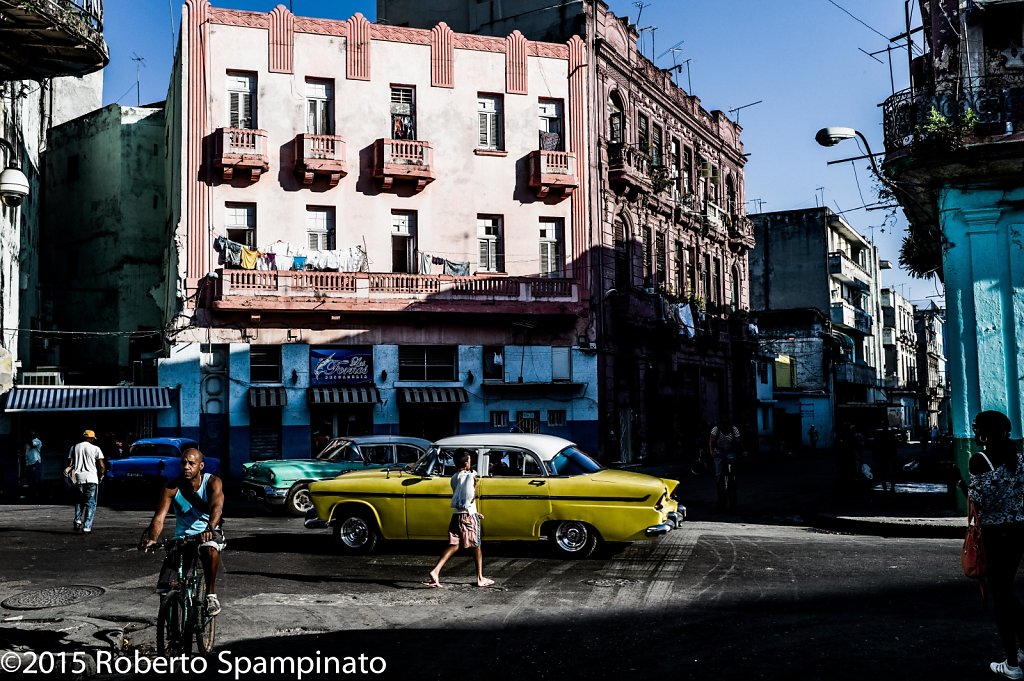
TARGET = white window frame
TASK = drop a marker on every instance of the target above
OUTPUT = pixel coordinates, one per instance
(499, 419)
(403, 228)
(319, 106)
(550, 115)
(551, 261)
(490, 122)
(321, 231)
(241, 88)
(240, 223)
(491, 243)
(403, 104)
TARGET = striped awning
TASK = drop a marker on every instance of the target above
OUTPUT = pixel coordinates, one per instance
(87, 398)
(362, 394)
(433, 395)
(272, 396)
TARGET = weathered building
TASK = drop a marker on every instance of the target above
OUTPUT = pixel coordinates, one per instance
(953, 152)
(899, 345)
(668, 233)
(376, 229)
(933, 380)
(814, 289)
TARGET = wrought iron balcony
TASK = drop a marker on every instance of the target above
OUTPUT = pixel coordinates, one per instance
(48, 38)
(553, 171)
(241, 149)
(859, 373)
(403, 161)
(392, 292)
(741, 231)
(629, 169)
(320, 155)
(997, 101)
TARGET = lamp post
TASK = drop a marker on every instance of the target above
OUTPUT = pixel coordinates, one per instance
(13, 183)
(829, 137)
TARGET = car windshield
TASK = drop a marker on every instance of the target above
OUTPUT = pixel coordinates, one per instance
(339, 450)
(437, 461)
(154, 449)
(571, 461)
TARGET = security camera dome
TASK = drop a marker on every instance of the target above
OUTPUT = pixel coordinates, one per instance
(13, 187)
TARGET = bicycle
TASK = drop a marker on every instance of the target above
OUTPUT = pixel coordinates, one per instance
(700, 464)
(727, 484)
(182, 616)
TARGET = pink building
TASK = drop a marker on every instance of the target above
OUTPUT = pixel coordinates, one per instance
(375, 229)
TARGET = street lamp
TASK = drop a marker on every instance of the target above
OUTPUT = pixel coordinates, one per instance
(13, 183)
(829, 137)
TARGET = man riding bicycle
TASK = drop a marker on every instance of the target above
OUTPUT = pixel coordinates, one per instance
(198, 502)
(724, 443)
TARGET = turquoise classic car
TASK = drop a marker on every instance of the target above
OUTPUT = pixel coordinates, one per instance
(284, 483)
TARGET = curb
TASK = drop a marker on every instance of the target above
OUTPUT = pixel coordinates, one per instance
(886, 526)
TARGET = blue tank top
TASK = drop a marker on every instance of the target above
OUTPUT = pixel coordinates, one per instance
(188, 519)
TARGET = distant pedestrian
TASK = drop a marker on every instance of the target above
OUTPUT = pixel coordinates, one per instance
(812, 437)
(86, 469)
(884, 456)
(725, 444)
(464, 528)
(32, 460)
(997, 487)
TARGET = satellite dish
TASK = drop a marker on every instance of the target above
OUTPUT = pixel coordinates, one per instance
(6, 370)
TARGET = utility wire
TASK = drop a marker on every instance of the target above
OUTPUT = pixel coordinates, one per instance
(860, 21)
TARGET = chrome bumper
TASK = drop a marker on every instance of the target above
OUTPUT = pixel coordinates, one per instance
(673, 522)
(260, 492)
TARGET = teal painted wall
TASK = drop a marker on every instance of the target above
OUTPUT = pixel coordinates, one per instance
(984, 277)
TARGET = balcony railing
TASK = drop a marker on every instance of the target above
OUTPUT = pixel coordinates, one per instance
(846, 270)
(846, 315)
(996, 100)
(48, 38)
(553, 171)
(242, 150)
(859, 373)
(387, 291)
(403, 160)
(629, 169)
(320, 155)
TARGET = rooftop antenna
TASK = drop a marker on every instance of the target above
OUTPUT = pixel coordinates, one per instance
(139, 63)
(647, 29)
(737, 109)
(820, 192)
(689, 82)
(759, 202)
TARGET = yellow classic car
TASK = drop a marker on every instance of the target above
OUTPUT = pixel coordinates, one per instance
(531, 487)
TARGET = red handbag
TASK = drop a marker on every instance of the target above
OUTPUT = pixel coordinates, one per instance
(973, 558)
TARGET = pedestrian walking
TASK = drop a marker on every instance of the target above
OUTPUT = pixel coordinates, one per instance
(884, 454)
(32, 462)
(464, 527)
(997, 487)
(86, 469)
(724, 443)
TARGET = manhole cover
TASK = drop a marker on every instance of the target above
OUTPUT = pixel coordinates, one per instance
(51, 598)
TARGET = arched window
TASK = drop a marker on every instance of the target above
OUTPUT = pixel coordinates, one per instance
(616, 119)
(622, 255)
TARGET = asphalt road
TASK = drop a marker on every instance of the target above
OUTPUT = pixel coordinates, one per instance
(719, 599)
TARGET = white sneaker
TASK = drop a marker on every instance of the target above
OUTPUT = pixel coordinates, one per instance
(213, 609)
(1006, 670)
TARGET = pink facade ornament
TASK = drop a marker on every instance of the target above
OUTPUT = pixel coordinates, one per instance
(516, 68)
(358, 52)
(442, 56)
(282, 40)
(197, 191)
(578, 76)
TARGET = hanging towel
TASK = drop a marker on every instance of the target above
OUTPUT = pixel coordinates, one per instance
(456, 269)
(437, 260)
(284, 262)
(425, 262)
(249, 258)
(232, 253)
(299, 262)
(686, 321)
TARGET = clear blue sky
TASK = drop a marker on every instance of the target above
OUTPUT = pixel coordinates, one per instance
(801, 59)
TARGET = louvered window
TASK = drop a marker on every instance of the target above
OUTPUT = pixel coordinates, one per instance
(656, 148)
(660, 258)
(491, 243)
(648, 257)
(643, 132)
(320, 229)
(242, 100)
(319, 107)
(551, 250)
(403, 113)
(489, 120)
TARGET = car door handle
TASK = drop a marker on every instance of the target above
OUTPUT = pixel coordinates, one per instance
(537, 483)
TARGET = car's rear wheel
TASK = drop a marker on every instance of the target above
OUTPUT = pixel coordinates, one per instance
(573, 539)
(298, 500)
(355, 533)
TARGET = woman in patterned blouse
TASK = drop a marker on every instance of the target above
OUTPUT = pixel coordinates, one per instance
(997, 487)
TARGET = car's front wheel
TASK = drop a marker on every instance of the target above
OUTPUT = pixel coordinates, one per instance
(298, 500)
(573, 539)
(355, 533)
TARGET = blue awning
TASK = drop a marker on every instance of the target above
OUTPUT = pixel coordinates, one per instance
(87, 398)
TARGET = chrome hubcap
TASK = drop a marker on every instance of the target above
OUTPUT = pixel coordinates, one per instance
(571, 536)
(354, 532)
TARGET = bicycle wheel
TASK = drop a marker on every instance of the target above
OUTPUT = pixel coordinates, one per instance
(730, 489)
(204, 626)
(172, 630)
(698, 466)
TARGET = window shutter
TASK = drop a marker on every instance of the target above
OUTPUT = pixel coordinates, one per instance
(560, 364)
(485, 255)
(314, 241)
(235, 115)
(484, 142)
(495, 141)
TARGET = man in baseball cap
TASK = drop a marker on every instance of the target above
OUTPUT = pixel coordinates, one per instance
(86, 469)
